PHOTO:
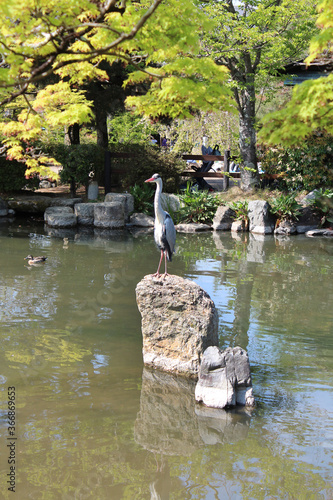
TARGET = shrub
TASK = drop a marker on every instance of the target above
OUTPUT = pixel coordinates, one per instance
(285, 207)
(79, 161)
(322, 204)
(146, 160)
(308, 167)
(12, 176)
(197, 206)
(241, 210)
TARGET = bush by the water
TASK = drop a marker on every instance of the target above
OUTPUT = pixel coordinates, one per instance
(197, 206)
(309, 166)
(145, 160)
(83, 161)
(12, 176)
(79, 161)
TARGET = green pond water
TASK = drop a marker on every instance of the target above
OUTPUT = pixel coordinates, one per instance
(91, 422)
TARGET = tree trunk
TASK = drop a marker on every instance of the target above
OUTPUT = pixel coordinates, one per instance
(246, 99)
(72, 137)
(73, 133)
(101, 127)
(247, 135)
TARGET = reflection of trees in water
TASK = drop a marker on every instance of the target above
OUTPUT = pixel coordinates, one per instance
(275, 282)
(195, 451)
(172, 423)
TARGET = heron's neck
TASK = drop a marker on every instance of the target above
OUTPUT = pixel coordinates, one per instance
(159, 212)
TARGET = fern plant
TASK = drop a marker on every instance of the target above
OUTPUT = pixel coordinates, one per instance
(197, 206)
(241, 210)
(285, 207)
(143, 198)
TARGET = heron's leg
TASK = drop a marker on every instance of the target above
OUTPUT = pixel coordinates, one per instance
(158, 269)
(165, 260)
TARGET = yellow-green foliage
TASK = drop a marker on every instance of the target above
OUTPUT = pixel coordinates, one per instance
(311, 105)
(65, 42)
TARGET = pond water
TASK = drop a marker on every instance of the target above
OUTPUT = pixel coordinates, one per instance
(91, 422)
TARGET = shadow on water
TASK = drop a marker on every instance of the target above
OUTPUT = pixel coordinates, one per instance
(92, 421)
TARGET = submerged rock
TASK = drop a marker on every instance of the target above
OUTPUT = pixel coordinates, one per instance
(224, 378)
(179, 321)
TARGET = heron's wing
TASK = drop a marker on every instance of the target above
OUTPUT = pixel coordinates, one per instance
(169, 233)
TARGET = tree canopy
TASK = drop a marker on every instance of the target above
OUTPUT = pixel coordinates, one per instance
(50, 49)
(254, 39)
(311, 106)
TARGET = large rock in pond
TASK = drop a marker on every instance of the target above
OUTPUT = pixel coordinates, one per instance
(84, 213)
(125, 198)
(60, 217)
(260, 219)
(179, 322)
(223, 218)
(109, 215)
(224, 378)
(30, 204)
(3, 208)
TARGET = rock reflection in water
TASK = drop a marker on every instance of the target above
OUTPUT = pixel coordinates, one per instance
(171, 423)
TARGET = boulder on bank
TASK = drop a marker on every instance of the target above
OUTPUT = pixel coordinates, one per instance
(224, 378)
(142, 220)
(286, 227)
(307, 220)
(223, 218)
(179, 321)
(260, 219)
(192, 227)
(60, 217)
(30, 204)
(109, 215)
(170, 202)
(239, 225)
(126, 199)
(65, 202)
(320, 232)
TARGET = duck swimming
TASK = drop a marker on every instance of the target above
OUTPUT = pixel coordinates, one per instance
(35, 260)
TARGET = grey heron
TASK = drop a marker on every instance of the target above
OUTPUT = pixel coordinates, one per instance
(164, 230)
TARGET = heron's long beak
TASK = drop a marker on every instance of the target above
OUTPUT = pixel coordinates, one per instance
(150, 180)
